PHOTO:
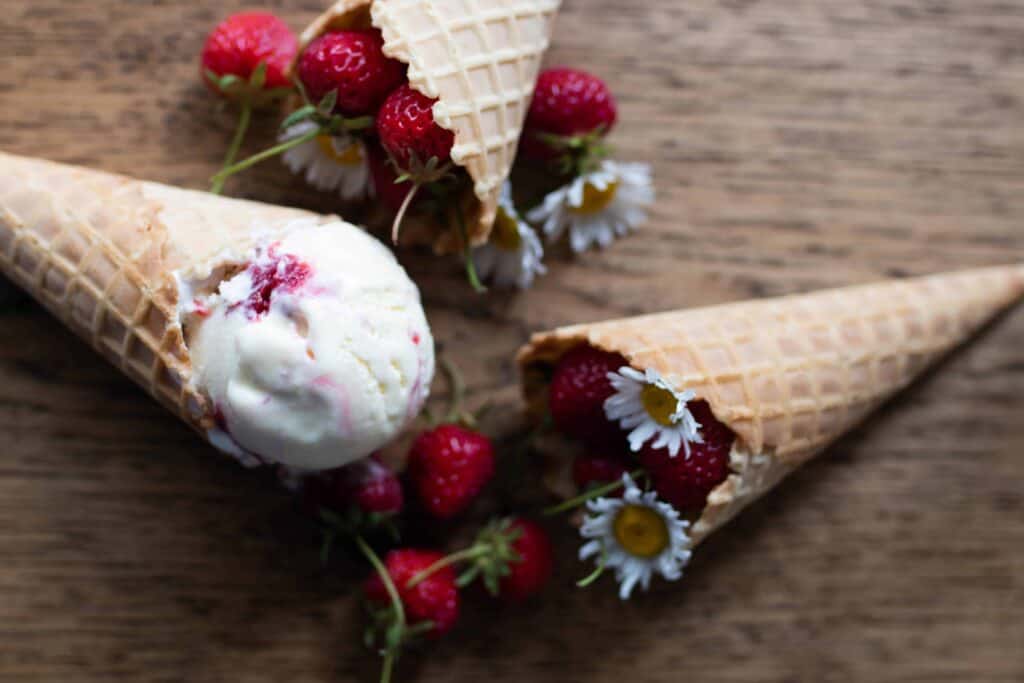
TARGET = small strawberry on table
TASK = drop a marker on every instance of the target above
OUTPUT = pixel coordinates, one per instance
(245, 60)
(571, 113)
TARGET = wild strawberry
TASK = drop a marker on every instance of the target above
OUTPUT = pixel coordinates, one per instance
(567, 104)
(246, 59)
(532, 565)
(407, 130)
(241, 43)
(434, 599)
(448, 467)
(373, 486)
(576, 395)
(685, 482)
(351, 64)
(592, 470)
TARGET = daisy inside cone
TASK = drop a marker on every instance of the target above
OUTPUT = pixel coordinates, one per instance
(672, 449)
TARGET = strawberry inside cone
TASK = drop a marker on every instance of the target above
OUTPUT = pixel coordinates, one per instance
(633, 422)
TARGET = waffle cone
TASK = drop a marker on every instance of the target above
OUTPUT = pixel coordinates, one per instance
(480, 61)
(104, 253)
(789, 375)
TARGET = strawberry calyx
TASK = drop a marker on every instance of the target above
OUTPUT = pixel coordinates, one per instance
(350, 523)
(578, 154)
(488, 558)
(251, 91)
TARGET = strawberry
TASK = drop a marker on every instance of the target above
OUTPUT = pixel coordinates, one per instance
(353, 65)
(448, 467)
(390, 193)
(532, 565)
(685, 482)
(405, 124)
(435, 599)
(238, 45)
(567, 104)
(594, 470)
(576, 395)
(373, 486)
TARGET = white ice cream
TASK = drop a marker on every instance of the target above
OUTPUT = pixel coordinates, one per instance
(315, 354)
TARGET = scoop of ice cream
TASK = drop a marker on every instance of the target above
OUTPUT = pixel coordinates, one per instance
(316, 353)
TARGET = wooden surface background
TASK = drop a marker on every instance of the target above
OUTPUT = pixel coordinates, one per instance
(796, 144)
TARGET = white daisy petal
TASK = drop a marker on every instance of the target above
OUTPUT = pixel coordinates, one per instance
(598, 206)
(338, 163)
(633, 569)
(514, 255)
(674, 432)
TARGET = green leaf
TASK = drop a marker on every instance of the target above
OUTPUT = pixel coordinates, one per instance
(358, 123)
(326, 105)
(258, 78)
(297, 116)
(227, 81)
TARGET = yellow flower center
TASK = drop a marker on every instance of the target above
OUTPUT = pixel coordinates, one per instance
(659, 403)
(640, 531)
(594, 198)
(350, 155)
(506, 232)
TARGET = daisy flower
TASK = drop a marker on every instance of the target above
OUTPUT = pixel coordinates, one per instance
(637, 536)
(598, 206)
(647, 405)
(512, 257)
(329, 162)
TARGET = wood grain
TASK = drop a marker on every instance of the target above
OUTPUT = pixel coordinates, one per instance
(796, 144)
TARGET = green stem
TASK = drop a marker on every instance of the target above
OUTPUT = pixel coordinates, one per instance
(244, 118)
(474, 279)
(588, 495)
(386, 669)
(470, 553)
(458, 387)
(266, 154)
(596, 574)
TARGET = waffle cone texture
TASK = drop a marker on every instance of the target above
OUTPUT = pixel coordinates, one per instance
(480, 60)
(104, 253)
(789, 375)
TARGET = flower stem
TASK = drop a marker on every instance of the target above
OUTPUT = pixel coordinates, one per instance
(244, 118)
(396, 602)
(387, 667)
(588, 495)
(458, 387)
(470, 553)
(265, 154)
(596, 574)
(474, 279)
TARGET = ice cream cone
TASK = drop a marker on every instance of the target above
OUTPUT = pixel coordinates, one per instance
(789, 375)
(480, 60)
(122, 262)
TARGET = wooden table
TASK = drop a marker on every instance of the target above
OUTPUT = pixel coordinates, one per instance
(796, 144)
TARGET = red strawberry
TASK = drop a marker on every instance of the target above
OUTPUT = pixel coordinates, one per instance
(240, 43)
(352, 64)
(383, 173)
(373, 486)
(405, 124)
(576, 395)
(434, 599)
(532, 567)
(594, 470)
(567, 103)
(448, 467)
(685, 482)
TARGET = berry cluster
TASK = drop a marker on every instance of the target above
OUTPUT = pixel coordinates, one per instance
(363, 130)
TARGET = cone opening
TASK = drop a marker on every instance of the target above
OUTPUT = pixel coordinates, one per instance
(423, 225)
(559, 451)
